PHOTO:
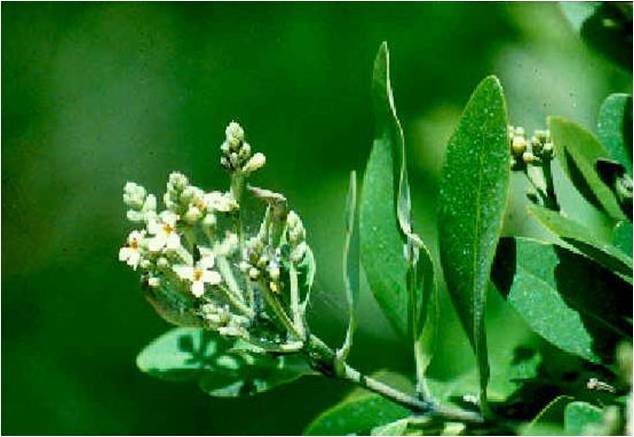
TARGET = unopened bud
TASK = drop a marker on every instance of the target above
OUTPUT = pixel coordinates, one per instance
(518, 145)
(256, 162)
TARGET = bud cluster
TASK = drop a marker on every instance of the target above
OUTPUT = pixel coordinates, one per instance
(201, 270)
(236, 153)
(529, 152)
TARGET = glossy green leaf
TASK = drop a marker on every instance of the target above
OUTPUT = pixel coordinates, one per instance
(222, 367)
(578, 415)
(567, 299)
(351, 261)
(578, 151)
(615, 128)
(473, 197)
(381, 237)
(395, 428)
(584, 240)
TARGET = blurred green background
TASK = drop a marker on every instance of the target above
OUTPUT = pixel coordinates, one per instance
(96, 94)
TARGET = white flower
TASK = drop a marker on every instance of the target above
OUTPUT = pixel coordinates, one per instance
(164, 231)
(131, 253)
(223, 202)
(199, 275)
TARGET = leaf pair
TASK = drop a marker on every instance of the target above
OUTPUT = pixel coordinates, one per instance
(398, 266)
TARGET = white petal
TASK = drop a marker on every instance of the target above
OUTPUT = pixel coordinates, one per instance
(184, 272)
(173, 241)
(156, 243)
(168, 217)
(207, 261)
(124, 253)
(134, 259)
(212, 277)
(198, 288)
(154, 227)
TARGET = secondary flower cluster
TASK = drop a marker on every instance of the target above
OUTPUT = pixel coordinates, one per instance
(529, 152)
(197, 265)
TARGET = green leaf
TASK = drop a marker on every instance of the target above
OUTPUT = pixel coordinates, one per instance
(384, 203)
(584, 240)
(351, 261)
(359, 415)
(615, 128)
(473, 197)
(578, 151)
(578, 415)
(567, 299)
(550, 419)
(222, 367)
(395, 428)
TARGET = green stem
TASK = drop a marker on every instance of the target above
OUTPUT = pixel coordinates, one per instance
(295, 307)
(245, 310)
(322, 358)
(279, 311)
(225, 270)
(551, 198)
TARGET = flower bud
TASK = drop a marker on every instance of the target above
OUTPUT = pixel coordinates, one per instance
(192, 215)
(134, 195)
(256, 162)
(518, 145)
(234, 133)
(154, 282)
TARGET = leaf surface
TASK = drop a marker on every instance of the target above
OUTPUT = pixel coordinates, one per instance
(615, 128)
(473, 197)
(578, 151)
(578, 415)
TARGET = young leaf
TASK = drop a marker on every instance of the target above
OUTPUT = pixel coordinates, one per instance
(381, 207)
(473, 196)
(351, 261)
(578, 150)
(222, 367)
(615, 128)
(567, 299)
(578, 415)
(582, 239)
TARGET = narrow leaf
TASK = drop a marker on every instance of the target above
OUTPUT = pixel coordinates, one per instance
(615, 128)
(622, 237)
(473, 196)
(567, 299)
(395, 428)
(381, 237)
(584, 240)
(222, 367)
(351, 261)
(578, 415)
(577, 151)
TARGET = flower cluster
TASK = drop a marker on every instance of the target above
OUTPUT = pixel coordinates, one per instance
(197, 264)
(529, 152)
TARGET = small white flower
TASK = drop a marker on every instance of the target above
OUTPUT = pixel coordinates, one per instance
(223, 202)
(164, 231)
(199, 275)
(131, 253)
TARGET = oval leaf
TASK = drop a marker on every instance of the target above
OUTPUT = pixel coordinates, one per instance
(473, 196)
(222, 367)
(567, 299)
(584, 240)
(615, 128)
(578, 151)
(381, 237)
